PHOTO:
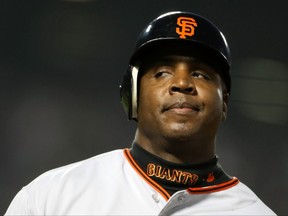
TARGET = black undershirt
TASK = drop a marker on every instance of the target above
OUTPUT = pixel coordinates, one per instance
(174, 177)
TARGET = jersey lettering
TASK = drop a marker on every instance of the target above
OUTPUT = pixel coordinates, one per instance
(171, 175)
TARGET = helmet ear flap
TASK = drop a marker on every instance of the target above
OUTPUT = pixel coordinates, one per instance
(128, 92)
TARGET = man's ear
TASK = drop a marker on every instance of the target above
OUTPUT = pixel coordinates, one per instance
(225, 105)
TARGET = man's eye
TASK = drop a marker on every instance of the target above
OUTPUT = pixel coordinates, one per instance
(161, 74)
(198, 74)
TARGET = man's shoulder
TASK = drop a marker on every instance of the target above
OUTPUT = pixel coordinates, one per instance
(106, 158)
(243, 192)
(81, 170)
(85, 181)
(245, 200)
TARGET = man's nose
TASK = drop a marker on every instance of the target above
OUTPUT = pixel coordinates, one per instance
(182, 82)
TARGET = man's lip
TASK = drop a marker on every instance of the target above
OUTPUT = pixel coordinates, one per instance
(183, 105)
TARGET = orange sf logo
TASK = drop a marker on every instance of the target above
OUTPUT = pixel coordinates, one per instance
(186, 26)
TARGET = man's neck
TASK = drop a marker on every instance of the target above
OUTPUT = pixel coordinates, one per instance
(183, 151)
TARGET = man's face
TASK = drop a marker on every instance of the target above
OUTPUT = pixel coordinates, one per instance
(180, 98)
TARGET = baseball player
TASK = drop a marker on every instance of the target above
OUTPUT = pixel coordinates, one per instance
(176, 88)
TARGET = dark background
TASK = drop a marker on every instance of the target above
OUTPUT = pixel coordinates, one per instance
(61, 63)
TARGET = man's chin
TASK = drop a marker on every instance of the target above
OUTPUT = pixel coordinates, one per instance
(180, 134)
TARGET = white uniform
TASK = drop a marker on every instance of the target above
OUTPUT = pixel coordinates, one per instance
(112, 183)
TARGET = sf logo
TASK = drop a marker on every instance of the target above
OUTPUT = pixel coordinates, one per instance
(186, 26)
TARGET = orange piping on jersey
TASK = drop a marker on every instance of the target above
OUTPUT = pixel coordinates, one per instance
(151, 182)
(214, 188)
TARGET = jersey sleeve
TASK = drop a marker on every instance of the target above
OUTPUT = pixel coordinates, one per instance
(19, 205)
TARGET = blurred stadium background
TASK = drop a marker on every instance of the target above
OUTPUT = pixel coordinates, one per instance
(61, 63)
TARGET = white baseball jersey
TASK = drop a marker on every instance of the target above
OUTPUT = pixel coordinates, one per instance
(113, 184)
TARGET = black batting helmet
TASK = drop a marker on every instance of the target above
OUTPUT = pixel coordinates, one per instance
(175, 33)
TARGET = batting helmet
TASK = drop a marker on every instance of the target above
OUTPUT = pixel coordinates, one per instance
(175, 33)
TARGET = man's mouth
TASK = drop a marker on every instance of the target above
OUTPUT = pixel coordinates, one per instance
(183, 107)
